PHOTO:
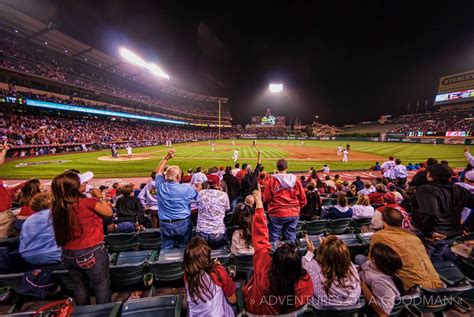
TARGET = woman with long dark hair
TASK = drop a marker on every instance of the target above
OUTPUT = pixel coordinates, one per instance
(209, 288)
(335, 279)
(78, 230)
(242, 237)
(279, 284)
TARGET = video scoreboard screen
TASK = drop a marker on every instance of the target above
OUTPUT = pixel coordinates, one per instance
(268, 120)
(439, 133)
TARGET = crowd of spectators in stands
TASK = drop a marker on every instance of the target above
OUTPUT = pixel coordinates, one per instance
(414, 223)
(461, 120)
(17, 53)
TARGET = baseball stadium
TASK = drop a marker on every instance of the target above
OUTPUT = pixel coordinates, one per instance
(144, 171)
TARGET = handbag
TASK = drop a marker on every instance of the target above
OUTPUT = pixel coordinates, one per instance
(60, 308)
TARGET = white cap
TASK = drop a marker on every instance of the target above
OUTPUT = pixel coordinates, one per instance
(85, 177)
(469, 176)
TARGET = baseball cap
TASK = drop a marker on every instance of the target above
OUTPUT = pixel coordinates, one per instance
(85, 177)
(469, 176)
(391, 187)
(103, 187)
(190, 170)
(213, 179)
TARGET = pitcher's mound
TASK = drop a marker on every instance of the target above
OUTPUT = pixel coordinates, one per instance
(124, 158)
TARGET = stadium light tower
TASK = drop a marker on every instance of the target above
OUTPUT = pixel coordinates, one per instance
(275, 88)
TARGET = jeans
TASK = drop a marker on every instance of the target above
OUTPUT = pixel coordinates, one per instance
(175, 232)
(88, 266)
(285, 225)
(214, 241)
(233, 203)
(439, 251)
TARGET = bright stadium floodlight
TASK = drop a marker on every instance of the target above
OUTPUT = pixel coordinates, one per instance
(275, 88)
(133, 58)
(157, 71)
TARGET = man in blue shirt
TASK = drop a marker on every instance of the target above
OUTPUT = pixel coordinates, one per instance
(37, 242)
(174, 205)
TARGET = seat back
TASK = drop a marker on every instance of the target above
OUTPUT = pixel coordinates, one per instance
(99, 310)
(171, 271)
(11, 280)
(132, 257)
(127, 275)
(300, 312)
(338, 226)
(435, 300)
(338, 311)
(357, 224)
(119, 242)
(244, 263)
(161, 306)
(10, 243)
(316, 227)
(149, 239)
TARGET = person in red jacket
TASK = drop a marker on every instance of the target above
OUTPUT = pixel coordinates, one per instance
(6, 198)
(285, 196)
(279, 284)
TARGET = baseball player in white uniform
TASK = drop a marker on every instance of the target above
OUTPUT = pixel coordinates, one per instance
(345, 156)
(235, 156)
(213, 147)
(129, 150)
(339, 150)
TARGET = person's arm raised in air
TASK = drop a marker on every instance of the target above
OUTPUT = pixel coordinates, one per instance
(161, 167)
(469, 157)
(103, 208)
(260, 237)
(3, 152)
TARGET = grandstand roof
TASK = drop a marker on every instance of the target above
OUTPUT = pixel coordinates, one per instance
(14, 21)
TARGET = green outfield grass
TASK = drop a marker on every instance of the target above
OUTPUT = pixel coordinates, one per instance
(199, 154)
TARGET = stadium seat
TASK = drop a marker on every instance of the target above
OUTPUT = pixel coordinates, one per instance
(336, 311)
(125, 276)
(338, 226)
(168, 267)
(149, 239)
(10, 243)
(406, 305)
(314, 239)
(357, 224)
(99, 310)
(244, 263)
(11, 280)
(435, 300)
(118, 242)
(133, 257)
(326, 202)
(161, 306)
(316, 227)
(297, 313)
(356, 246)
(64, 279)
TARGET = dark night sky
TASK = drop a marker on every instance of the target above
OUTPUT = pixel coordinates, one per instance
(345, 61)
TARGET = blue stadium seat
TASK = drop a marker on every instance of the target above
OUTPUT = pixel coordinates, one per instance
(338, 226)
(11, 280)
(149, 239)
(161, 306)
(357, 224)
(336, 311)
(118, 242)
(64, 279)
(316, 227)
(132, 257)
(103, 310)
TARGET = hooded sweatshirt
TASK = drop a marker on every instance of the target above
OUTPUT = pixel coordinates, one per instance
(440, 207)
(284, 195)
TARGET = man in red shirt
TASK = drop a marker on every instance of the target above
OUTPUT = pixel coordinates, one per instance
(285, 196)
(6, 198)
(241, 174)
(279, 283)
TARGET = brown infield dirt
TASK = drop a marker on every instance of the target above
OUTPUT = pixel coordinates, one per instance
(295, 152)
